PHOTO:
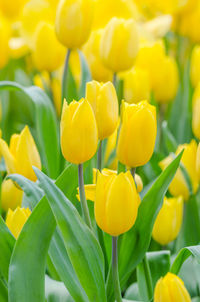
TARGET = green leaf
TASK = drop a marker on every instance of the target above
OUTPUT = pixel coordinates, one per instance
(56, 292)
(7, 242)
(85, 75)
(82, 247)
(135, 242)
(169, 140)
(132, 292)
(3, 292)
(28, 261)
(45, 124)
(183, 255)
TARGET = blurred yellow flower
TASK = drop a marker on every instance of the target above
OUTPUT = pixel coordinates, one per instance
(195, 66)
(4, 42)
(15, 220)
(196, 112)
(198, 161)
(12, 8)
(11, 196)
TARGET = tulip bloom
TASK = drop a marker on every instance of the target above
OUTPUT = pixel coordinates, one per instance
(136, 85)
(195, 66)
(137, 135)
(116, 203)
(74, 22)
(11, 196)
(196, 112)
(53, 58)
(79, 134)
(15, 220)
(119, 44)
(104, 102)
(11, 9)
(171, 288)
(21, 155)
(168, 221)
(4, 42)
(198, 161)
(179, 185)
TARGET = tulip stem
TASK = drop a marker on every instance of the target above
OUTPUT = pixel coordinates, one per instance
(115, 79)
(133, 170)
(117, 289)
(65, 74)
(99, 157)
(148, 279)
(84, 206)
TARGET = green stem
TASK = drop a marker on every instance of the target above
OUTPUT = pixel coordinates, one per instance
(117, 289)
(133, 170)
(115, 79)
(147, 277)
(65, 74)
(84, 205)
(99, 157)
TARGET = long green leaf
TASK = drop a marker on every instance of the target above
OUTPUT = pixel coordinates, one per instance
(28, 261)
(3, 292)
(82, 247)
(135, 242)
(183, 255)
(56, 292)
(45, 123)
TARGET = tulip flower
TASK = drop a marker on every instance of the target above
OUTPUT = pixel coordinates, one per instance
(168, 221)
(179, 185)
(136, 85)
(11, 196)
(12, 9)
(21, 155)
(119, 44)
(171, 288)
(91, 49)
(196, 112)
(195, 66)
(116, 203)
(53, 58)
(74, 22)
(137, 134)
(18, 47)
(4, 42)
(79, 134)
(198, 162)
(15, 220)
(104, 102)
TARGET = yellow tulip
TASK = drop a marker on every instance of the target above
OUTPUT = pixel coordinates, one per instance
(171, 288)
(56, 90)
(198, 161)
(4, 42)
(116, 203)
(179, 186)
(195, 66)
(18, 47)
(136, 85)
(196, 112)
(74, 22)
(11, 196)
(137, 134)
(107, 9)
(91, 50)
(21, 155)
(53, 58)
(79, 134)
(119, 44)
(34, 12)
(168, 74)
(104, 102)
(15, 220)
(168, 221)
(11, 9)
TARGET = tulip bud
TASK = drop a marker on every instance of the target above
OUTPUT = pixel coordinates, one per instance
(11, 9)
(171, 288)
(119, 44)
(136, 85)
(116, 203)
(195, 66)
(57, 97)
(11, 196)
(4, 42)
(198, 162)
(21, 155)
(92, 52)
(53, 58)
(137, 134)
(79, 134)
(15, 220)
(168, 221)
(104, 102)
(73, 22)
(179, 185)
(196, 112)
(189, 24)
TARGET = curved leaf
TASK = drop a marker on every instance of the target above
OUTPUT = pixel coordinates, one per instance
(28, 261)
(3, 292)
(46, 125)
(55, 291)
(82, 247)
(183, 255)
